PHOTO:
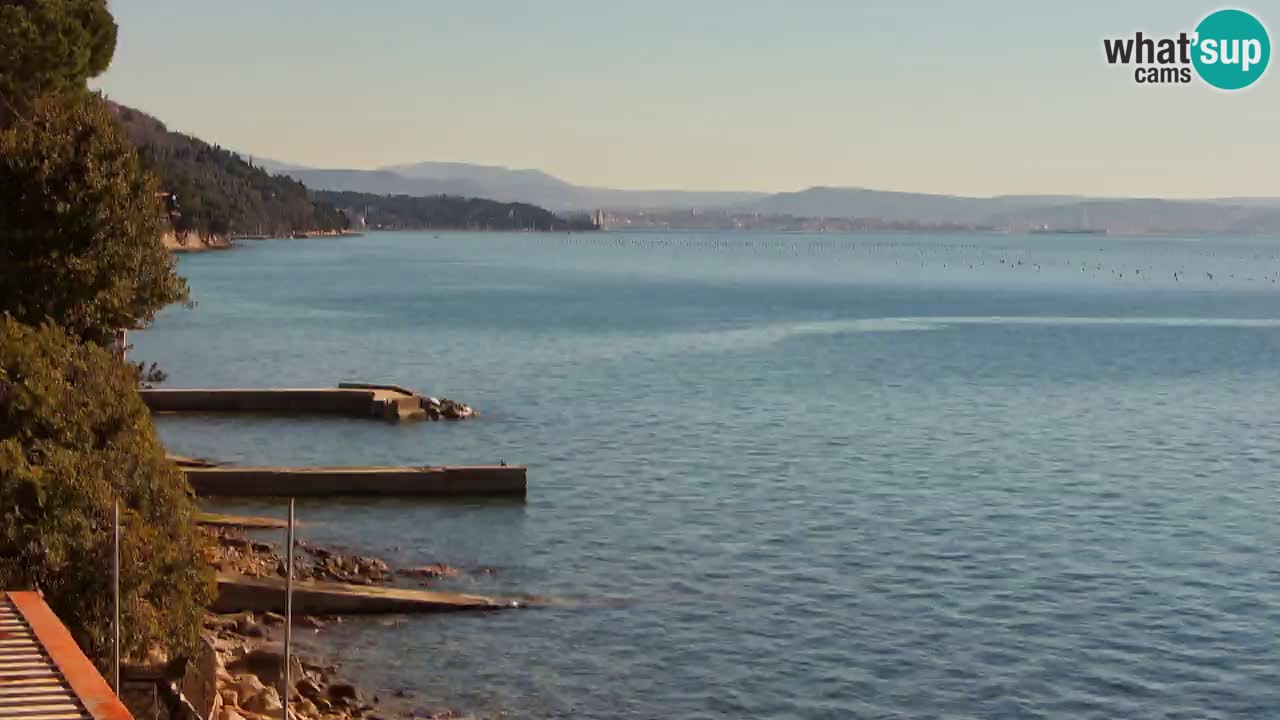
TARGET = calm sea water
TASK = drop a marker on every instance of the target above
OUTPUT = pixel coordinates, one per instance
(789, 476)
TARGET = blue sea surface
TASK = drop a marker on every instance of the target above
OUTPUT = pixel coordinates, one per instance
(786, 476)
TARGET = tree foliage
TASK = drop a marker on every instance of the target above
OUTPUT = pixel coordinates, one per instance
(447, 212)
(81, 256)
(80, 223)
(218, 191)
(52, 46)
(74, 436)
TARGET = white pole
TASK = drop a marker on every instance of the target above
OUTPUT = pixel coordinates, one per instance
(288, 619)
(115, 595)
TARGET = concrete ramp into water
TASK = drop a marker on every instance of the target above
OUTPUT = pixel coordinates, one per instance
(237, 593)
(241, 522)
(383, 402)
(461, 481)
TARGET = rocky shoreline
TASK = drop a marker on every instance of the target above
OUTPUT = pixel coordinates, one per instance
(190, 242)
(244, 654)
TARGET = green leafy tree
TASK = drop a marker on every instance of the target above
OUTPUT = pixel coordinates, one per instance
(74, 437)
(80, 223)
(81, 256)
(51, 46)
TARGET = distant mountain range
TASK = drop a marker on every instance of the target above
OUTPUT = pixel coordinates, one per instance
(1246, 215)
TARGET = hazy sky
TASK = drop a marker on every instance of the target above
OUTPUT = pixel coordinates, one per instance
(1003, 96)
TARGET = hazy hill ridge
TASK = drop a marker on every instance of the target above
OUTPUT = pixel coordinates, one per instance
(1246, 215)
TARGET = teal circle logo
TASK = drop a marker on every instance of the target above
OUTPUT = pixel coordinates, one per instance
(1232, 49)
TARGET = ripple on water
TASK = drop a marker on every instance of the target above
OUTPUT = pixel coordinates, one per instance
(789, 477)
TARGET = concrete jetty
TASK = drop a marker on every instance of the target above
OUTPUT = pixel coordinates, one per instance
(241, 522)
(184, 461)
(384, 402)
(446, 481)
(238, 593)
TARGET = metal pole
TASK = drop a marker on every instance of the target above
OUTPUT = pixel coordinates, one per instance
(115, 597)
(288, 618)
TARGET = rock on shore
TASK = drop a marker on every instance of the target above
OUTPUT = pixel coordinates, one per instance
(194, 242)
(244, 654)
(446, 409)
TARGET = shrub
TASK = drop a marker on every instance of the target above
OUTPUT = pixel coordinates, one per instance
(74, 437)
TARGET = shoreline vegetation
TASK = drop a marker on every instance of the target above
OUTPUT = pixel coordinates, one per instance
(93, 198)
(197, 242)
(212, 196)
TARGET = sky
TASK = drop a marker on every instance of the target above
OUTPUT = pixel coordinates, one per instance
(974, 98)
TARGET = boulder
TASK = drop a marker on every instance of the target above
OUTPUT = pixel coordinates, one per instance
(344, 692)
(220, 622)
(200, 680)
(266, 702)
(309, 689)
(248, 626)
(267, 663)
(295, 669)
(246, 688)
(435, 570)
(228, 645)
(230, 698)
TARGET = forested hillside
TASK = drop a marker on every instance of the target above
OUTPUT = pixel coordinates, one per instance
(218, 191)
(446, 212)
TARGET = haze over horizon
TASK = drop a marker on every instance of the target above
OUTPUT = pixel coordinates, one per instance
(974, 101)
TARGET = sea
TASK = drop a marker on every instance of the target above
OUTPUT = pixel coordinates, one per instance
(784, 475)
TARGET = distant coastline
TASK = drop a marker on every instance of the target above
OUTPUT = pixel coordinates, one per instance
(196, 242)
(191, 242)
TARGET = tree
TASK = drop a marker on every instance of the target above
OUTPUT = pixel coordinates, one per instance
(80, 223)
(80, 257)
(218, 192)
(74, 437)
(51, 46)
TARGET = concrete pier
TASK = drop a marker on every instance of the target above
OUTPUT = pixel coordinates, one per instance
(384, 402)
(241, 522)
(462, 481)
(237, 593)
